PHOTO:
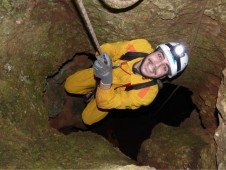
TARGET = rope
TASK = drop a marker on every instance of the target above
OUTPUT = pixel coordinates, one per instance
(89, 25)
(118, 4)
(170, 96)
(155, 116)
(112, 3)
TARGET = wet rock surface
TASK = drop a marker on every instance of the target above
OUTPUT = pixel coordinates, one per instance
(39, 36)
(220, 134)
(171, 148)
(55, 95)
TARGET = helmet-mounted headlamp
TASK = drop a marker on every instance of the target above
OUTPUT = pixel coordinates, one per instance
(176, 55)
(178, 50)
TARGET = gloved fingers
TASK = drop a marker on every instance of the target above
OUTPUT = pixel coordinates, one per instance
(100, 58)
(98, 64)
(108, 60)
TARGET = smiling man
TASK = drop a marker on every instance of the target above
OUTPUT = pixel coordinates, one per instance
(128, 72)
(155, 65)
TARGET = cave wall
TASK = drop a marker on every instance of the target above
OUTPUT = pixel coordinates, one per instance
(220, 134)
(200, 25)
(37, 36)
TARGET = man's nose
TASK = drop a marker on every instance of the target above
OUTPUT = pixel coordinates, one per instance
(157, 64)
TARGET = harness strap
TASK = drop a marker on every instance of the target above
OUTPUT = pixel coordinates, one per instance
(130, 86)
(124, 85)
(127, 57)
(142, 85)
(130, 56)
(133, 55)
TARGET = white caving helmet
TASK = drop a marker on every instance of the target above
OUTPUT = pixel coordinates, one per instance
(176, 55)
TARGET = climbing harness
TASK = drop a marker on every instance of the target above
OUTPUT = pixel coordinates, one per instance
(131, 56)
(127, 57)
(128, 86)
(138, 86)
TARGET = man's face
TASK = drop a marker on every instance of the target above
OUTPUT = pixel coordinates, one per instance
(155, 65)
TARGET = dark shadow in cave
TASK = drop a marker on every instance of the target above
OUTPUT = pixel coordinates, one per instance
(127, 129)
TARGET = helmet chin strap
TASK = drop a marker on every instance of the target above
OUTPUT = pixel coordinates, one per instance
(162, 77)
(136, 70)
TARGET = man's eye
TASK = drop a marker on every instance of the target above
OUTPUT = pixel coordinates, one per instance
(160, 56)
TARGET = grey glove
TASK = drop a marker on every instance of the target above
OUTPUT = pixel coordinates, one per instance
(103, 68)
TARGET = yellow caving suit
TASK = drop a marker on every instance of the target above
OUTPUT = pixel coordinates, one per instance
(116, 97)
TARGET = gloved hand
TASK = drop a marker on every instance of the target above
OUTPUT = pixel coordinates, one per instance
(103, 68)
